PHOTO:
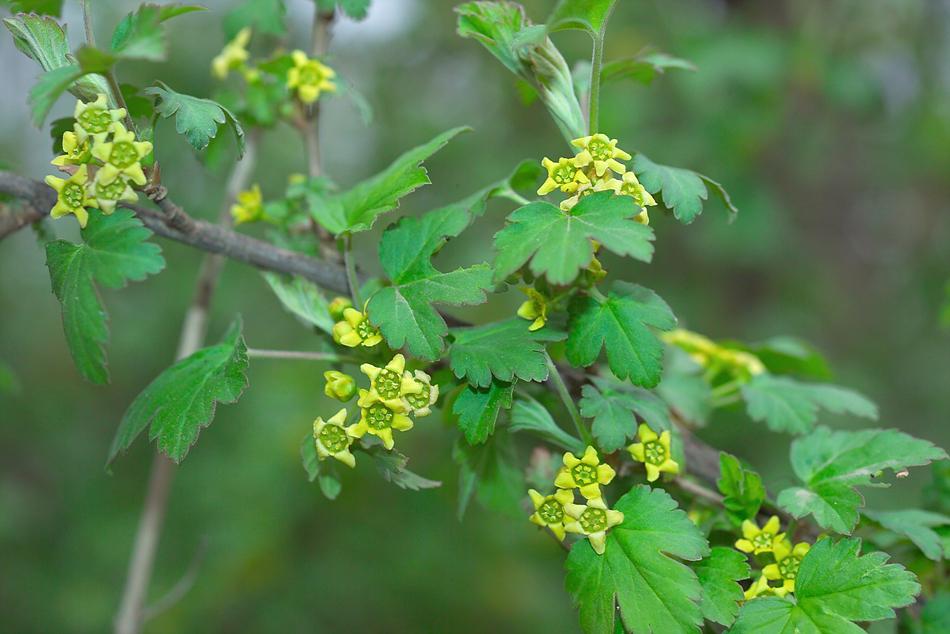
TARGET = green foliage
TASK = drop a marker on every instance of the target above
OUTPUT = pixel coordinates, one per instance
(787, 405)
(558, 243)
(503, 349)
(718, 575)
(477, 409)
(644, 67)
(742, 489)
(198, 119)
(41, 39)
(613, 407)
(42, 7)
(355, 9)
(917, 526)
(682, 191)
(182, 399)
(403, 311)
(49, 86)
(392, 467)
(831, 464)
(266, 16)
(114, 251)
(637, 573)
(490, 473)
(533, 417)
(586, 15)
(619, 323)
(787, 355)
(311, 460)
(140, 34)
(682, 387)
(304, 299)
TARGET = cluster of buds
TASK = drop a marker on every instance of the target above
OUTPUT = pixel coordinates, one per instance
(786, 558)
(654, 452)
(562, 515)
(103, 160)
(714, 358)
(595, 168)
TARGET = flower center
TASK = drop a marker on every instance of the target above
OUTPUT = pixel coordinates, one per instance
(788, 567)
(365, 331)
(379, 416)
(333, 437)
(388, 383)
(95, 120)
(655, 453)
(112, 191)
(593, 520)
(762, 540)
(123, 154)
(551, 512)
(310, 74)
(418, 401)
(74, 195)
(563, 174)
(599, 150)
(584, 474)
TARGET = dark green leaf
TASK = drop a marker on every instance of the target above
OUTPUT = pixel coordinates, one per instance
(140, 34)
(587, 15)
(491, 473)
(42, 7)
(503, 349)
(613, 408)
(644, 67)
(477, 409)
(742, 489)
(916, 525)
(683, 189)
(655, 593)
(392, 466)
(113, 252)
(620, 323)
(533, 417)
(719, 575)
(198, 119)
(56, 130)
(266, 16)
(182, 399)
(304, 299)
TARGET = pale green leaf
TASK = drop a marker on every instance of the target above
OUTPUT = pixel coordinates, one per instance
(503, 349)
(266, 16)
(198, 119)
(302, 298)
(49, 86)
(719, 574)
(140, 34)
(477, 409)
(613, 408)
(917, 526)
(531, 416)
(40, 38)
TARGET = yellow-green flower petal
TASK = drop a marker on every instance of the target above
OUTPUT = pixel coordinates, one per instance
(76, 153)
(309, 77)
(760, 540)
(340, 386)
(654, 452)
(73, 197)
(108, 195)
(332, 439)
(355, 330)
(249, 206)
(758, 589)
(121, 156)
(390, 385)
(585, 474)
(233, 55)
(549, 510)
(420, 404)
(593, 520)
(379, 420)
(602, 152)
(95, 120)
(535, 309)
(564, 175)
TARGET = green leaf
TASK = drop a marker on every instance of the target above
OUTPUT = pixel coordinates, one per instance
(916, 525)
(182, 399)
(355, 9)
(302, 298)
(503, 349)
(533, 417)
(308, 453)
(43, 7)
(619, 322)
(198, 119)
(92, 60)
(682, 387)
(723, 195)
(613, 408)
(329, 480)
(140, 34)
(40, 38)
(789, 406)
(587, 15)
(490, 472)
(558, 243)
(266, 16)
(114, 251)
(831, 464)
(683, 189)
(719, 575)
(644, 67)
(935, 617)
(477, 409)
(392, 466)
(495, 24)
(403, 311)
(637, 572)
(742, 489)
(786, 355)
(49, 86)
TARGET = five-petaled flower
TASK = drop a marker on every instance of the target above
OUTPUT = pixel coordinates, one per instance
(309, 77)
(594, 520)
(419, 404)
(602, 151)
(759, 588)
(233, 55)
(356, 330)
(121, 156)
(76, 153)
(109, 194)
(536, 308)
(389, 385)
(249, 206)
(549, 510)
(630, 186)
(785, 568)
(379, 420)
(333, 439)
(95, 120)
(340, 386)
(73, 198)
(564, 175)
(654, 452)
(585, 474)
(760, 540)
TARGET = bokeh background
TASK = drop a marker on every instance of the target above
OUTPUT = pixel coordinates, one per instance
(828, 121)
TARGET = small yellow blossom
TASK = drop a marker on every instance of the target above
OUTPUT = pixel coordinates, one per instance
(654, 452)
(76, 153)
(594, 186)
(121, 156)
(108, 195)
(340, 386)
(549, 510)
(785, 568)
(564, 175)
(379, 420)
(760, 540)
(309, 77)
(389, 385)
(233, 56)
(594, 520)
(585, 474)
(711, 355)
(536, 308)
(630, 186)
(73, 197)
(333, 439)
(602, 151)
(760, 588)
(338, 305)
(95, 120)
(249, 206)
(419, 404)
(355, 330)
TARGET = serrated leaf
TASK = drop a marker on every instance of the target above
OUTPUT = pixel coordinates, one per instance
(644, 67)
(494, 24)
(140, 35)
(266, 16)
(683, 191)
(41, 39)
(198, 119)
(916, 525)
(114, 251)
(503, 349)
(742, 489)
(308, 453)
(587, 15)
(403, 312)
(302, 298)
(533, 417)
(392, 467)
(637, 572)
(558, 243)
(49, 86)
(182, 399)
(491, 473)
(831, 464)
(723, 195)
(477, 409)
(613, 408)
(619, 323)
(718, 576)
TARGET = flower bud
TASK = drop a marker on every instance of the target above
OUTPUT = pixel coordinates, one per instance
(340, 386)
(337, 306)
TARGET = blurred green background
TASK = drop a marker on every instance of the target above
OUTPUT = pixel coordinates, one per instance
(828, 121)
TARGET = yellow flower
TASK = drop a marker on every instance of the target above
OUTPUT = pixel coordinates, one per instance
(338, 305)
(73, 197)
(309, 77)
(785, 568)
(602, 151)
(389, 385)
(630, 186)
(564, 175)
(594, 520)
(654, 452)
(760, 540)
(419, 404)
(356, 330)
(333, 439)
(95, 120)
(340, 386)
(249, 206)
(586, 474)
(709, 354)
(233, 55)
(76, 153)
(549, 510)
(107, 195)
(121, 156)
(536, 308)
(760, 588)
(379, 420)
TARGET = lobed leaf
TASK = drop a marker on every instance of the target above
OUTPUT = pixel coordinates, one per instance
(503, 349)
(392, 467)
(917, 526)
(718, 575)
(140, 34)
(586, 15)
(490, 472)
(644, 67)
(742, 489)
(198, 119)
(683, 189)
(477, 409)
(614, 408)
(302, 298)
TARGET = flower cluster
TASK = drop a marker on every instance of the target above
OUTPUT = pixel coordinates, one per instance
(595, 168)
(787, 558)
(654, 452)
(716, 359)
(103, 160)
(559, 512)
(355, 330)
